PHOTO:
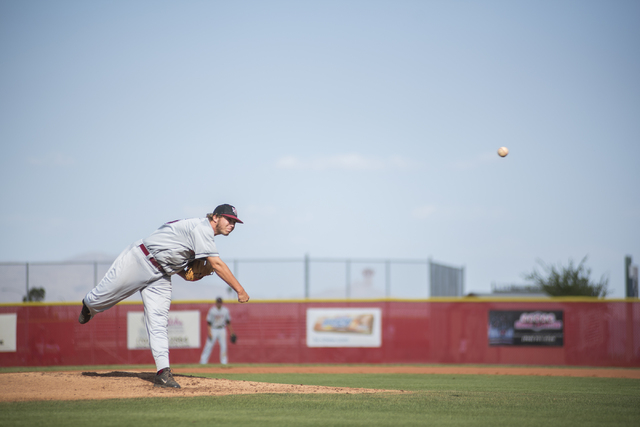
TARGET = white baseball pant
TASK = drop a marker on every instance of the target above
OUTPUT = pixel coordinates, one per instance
(132, 272)
(220, 335)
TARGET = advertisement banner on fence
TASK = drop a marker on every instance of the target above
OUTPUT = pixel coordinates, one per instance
(184, 330)
(344, 327)
(539, 327)
(8, 332)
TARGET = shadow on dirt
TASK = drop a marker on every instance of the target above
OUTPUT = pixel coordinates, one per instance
(146, 376)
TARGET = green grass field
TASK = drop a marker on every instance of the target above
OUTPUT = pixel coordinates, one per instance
(434, 400)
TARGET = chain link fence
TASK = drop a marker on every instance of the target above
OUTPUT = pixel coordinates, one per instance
(292, 278)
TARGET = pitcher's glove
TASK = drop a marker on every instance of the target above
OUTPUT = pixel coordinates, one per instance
(197, 269)
(234, 338)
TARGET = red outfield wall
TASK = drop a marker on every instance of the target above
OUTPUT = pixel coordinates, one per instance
(432, 331)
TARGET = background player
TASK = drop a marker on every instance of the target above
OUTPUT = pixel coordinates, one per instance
(147, 266)
(218, 320)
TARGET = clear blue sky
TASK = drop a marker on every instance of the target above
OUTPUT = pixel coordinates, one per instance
(337, 128)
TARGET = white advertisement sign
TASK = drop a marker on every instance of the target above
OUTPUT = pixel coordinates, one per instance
(184, 330)
(344, 327)
(8, 332)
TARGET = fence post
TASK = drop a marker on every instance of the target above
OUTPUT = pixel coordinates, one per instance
(306, 276)
(387, 278)
(95, 273)
(348, 286)
(27, 268)
(429, 278)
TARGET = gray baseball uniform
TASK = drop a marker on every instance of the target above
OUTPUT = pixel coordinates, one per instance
(147, 266)
(217, 318)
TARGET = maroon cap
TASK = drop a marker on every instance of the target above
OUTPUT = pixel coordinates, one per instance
(228, 211)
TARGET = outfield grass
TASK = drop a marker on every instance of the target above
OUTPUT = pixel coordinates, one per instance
(434, 400)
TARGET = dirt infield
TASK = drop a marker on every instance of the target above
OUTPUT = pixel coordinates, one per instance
(128, 384)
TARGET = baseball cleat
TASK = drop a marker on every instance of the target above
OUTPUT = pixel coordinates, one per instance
(165, 379)
(85, 314)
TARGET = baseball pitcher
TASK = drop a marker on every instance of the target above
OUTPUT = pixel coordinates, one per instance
(184, 247)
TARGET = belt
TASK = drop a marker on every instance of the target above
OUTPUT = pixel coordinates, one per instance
(151, 259)
(218, 327)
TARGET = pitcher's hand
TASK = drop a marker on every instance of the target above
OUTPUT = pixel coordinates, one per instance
(243, 297)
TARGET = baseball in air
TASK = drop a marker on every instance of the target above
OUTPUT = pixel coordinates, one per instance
(503, 151)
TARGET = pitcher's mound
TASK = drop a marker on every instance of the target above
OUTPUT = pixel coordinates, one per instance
(122, 385)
